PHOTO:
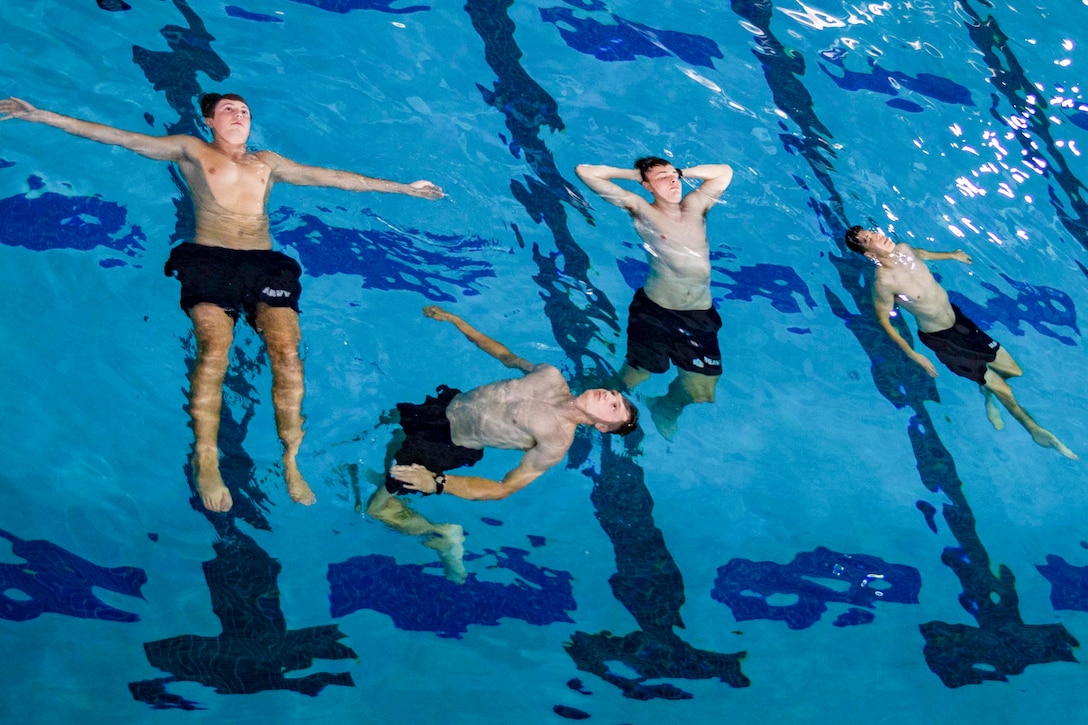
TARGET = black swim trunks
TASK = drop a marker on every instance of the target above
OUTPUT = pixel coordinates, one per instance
(656, 335)
(428, 440)
(236, 280)
(963, 348)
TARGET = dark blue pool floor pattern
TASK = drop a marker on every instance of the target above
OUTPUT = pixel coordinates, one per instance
(858, 579)
(242, 14)
(408, 260)
(53, 579)
(346, 6)
(626, 40)
(1068, 583)
(890, 83)
(419, 601)
(1041, 307)
(49, 220)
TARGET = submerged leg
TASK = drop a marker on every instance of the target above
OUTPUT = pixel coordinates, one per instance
(993, 413)
(1005, 367)
(1000, 389)
(447, 539)
(214, 332)
(686, 389)
(280, 330)
(630, 377)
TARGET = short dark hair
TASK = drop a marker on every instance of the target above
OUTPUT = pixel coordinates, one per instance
(209, 101)
(648, 162)
(631, 423)
(851, 239)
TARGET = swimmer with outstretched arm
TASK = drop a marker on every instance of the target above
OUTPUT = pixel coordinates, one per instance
(229, 268)
(535, 413)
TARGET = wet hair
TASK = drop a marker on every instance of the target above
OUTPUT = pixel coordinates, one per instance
(631, 423)
(852, 241)
(648, 162)
(209, 101)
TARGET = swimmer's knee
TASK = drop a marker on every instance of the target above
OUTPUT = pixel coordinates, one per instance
(213, 356)
(699, 388)
(281, 352)
(379, 504)
(995, 383)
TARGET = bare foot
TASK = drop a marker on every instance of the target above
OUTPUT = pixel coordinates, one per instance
(993, 413)
(213, 492)
(665, 416)
(449, 541)
(1048, 440)
(297, 487)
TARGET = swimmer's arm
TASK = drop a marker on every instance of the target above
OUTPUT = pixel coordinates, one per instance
(160, 148)
(715, 177)
(290, 172)
(884, 305)
(477, 488)
(599, 179)
(492, 347)
(927, 256)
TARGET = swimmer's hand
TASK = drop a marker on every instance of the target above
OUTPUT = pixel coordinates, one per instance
(437, 313)
(415, 477)
(425, 190)
(16, 108)
(961, 256)
(926, 364)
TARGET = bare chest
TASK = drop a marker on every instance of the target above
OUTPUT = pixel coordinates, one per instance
(667, 235)
(240, 186)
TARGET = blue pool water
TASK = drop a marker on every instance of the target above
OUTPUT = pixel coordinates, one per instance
(838, 535)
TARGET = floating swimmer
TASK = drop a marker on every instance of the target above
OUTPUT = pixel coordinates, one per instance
(229, 268)
(672, 317)
(957, 341)
(536, 413)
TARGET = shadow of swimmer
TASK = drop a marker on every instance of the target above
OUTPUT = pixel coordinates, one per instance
(255, 650)
(649, 585)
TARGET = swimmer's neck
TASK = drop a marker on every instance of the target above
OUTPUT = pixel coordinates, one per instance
(669, 208)
(234, 151)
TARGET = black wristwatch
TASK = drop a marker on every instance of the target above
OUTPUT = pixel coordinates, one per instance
(439, 483)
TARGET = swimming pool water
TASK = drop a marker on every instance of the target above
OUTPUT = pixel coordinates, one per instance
(835, 536)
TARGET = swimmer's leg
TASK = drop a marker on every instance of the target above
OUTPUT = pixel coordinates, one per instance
(1006, 368)
(686, 389)
(993, 413)
(280, 330)
(1004, 365)
(631, 377)
(447, 539)
(214, 332)
(995, 384)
